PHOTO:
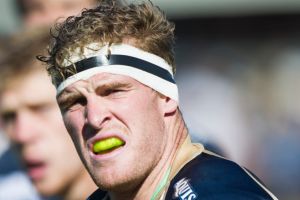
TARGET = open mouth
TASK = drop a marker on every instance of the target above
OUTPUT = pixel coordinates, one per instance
(107, 145)
(35, 170)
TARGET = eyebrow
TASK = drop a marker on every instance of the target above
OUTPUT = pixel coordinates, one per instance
(112, 85)
(66, 97)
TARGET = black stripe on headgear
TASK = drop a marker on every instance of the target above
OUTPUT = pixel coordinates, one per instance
(114, 59)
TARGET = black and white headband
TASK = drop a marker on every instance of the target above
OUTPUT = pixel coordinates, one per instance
(123, 59)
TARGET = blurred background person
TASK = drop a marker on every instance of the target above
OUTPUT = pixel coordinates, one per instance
(33, 14)
(11, 173)
(44, 13)
(32, 121)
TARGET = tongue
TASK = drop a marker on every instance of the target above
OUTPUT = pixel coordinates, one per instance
(108, 144)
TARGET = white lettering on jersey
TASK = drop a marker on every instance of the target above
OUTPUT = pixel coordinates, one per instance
(183, 190)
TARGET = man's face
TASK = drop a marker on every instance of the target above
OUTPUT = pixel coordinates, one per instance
(108, 108)
(41, 12)
(32, 120)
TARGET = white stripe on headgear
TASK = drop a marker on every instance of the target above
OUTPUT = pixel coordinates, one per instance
(149, 69)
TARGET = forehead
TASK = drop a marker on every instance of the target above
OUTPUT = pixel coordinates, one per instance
(103, 79)
(110, 77)
(32, 88)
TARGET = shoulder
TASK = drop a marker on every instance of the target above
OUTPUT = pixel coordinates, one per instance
(211, 177)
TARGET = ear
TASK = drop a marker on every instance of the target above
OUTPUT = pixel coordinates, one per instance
(170, 106)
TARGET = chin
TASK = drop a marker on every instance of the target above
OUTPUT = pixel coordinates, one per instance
(46, 190)
(107, 183)
(115, 186)
(118, 182)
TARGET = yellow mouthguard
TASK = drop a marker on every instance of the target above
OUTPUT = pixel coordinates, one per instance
(107, 144)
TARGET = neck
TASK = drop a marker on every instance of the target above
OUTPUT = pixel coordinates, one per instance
(80, 188)
(176, 133)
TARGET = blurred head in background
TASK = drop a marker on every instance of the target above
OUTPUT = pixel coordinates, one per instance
(46, 12)
(31, 119)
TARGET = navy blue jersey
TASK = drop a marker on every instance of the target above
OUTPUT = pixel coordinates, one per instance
(209, 177)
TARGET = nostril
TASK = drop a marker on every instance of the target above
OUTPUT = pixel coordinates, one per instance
(88, 131)
(96, 120)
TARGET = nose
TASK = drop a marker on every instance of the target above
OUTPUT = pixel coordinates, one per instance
(97, 112)
(23, 130)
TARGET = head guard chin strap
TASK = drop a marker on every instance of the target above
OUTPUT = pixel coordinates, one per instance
(123, 59)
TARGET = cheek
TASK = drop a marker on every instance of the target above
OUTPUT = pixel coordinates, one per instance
(147, 124)
(59, 133)
(74, 123)
(138, 108)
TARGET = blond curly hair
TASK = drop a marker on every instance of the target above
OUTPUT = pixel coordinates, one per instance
(113, 21)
